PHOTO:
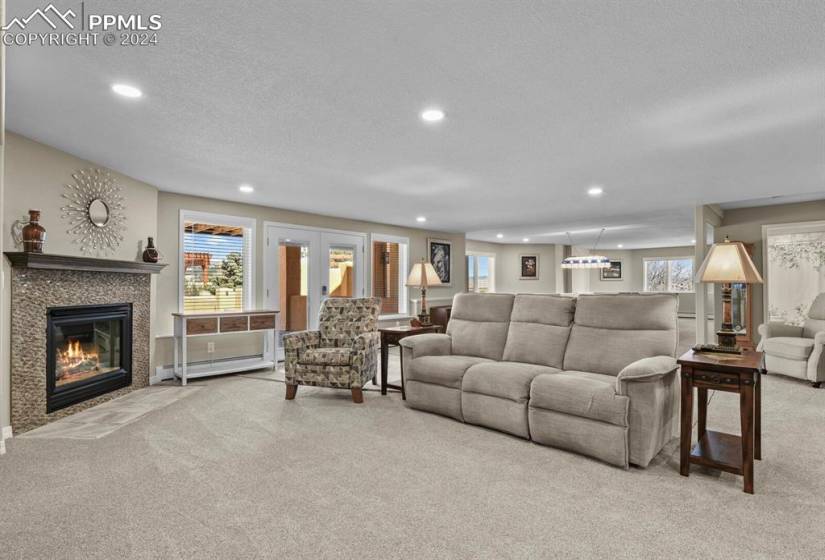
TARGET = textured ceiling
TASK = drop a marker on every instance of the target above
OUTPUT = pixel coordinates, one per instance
(665, 104)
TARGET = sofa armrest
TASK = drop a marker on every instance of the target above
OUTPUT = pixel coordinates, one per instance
(777, 328)
(646, 369)
(430, 344)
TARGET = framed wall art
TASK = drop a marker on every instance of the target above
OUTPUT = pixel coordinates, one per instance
(441, 257)
(613, 272)
(529, 266)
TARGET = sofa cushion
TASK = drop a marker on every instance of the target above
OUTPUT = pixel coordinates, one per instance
(584, 394)
(478, 324)
(613, 330)
(788, 347)
(325, 356)
(539, 329)
(508, 380)
(441, 370)
(545, 309)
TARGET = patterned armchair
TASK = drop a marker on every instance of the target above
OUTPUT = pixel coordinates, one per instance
(341, 354)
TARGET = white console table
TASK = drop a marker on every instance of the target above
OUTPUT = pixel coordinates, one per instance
(219, 323)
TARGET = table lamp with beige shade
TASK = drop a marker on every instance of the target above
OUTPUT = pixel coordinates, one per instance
(727, 263)
(423, 275)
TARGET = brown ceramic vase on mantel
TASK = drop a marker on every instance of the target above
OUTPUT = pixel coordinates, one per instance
(150, 254)
(33, 234)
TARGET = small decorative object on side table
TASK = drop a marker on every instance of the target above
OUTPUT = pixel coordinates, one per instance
(722, 372)
(727, 263)
(423, 275)
(391, 336)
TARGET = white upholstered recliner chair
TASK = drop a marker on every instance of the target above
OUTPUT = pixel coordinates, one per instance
(797, 351)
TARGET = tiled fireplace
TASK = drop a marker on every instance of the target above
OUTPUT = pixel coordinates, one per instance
(79, 334)
(88, 352)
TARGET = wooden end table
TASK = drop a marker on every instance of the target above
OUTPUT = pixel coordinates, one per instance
(391, 336)
(733, 373)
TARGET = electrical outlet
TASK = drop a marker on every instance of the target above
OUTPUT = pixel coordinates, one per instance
(210, 347)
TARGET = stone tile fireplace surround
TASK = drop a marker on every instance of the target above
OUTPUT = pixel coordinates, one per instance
(43, 282)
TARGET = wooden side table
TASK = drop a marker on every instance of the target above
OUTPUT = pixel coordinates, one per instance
(733, 373)
(391, 336)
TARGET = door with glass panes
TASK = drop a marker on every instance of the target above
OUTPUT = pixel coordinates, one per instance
(303, 267)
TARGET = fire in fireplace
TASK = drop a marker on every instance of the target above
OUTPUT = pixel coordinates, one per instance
(89, 353)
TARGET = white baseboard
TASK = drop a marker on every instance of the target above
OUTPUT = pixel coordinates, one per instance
(2, 447)
(6, 433)
(162, 373)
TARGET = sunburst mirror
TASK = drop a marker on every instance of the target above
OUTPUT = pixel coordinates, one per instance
(95, 211)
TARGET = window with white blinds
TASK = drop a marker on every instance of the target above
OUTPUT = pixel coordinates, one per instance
(216, 262)
(389, 273)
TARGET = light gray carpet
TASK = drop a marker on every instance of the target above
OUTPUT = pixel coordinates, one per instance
(235, 471)
(103, 419)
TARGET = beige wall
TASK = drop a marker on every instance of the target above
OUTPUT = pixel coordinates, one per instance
(508, 266)
(633, 272)
(5, 318)
(169, 207)
(745, 225)
(34, 177)
(507, 269)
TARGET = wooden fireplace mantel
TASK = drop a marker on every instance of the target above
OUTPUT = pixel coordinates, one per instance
(65, 262)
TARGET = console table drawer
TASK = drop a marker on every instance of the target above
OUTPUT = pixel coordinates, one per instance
(207, 325)
(258, 322)
(234, 324)
(715, 380)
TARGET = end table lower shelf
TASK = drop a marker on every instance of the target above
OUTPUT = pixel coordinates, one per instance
(718, 450)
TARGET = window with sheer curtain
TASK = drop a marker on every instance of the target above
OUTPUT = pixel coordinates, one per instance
(795, 269)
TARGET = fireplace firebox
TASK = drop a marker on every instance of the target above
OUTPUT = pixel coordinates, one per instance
(89, 352)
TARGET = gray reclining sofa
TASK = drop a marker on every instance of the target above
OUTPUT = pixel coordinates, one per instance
(594, 374)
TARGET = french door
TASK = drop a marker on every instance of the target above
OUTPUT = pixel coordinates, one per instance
(305, 266)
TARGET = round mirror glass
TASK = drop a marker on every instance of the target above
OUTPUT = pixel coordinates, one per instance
(98, 212)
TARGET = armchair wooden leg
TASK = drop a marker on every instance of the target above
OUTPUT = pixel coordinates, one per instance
(290, 392)
(357, 395)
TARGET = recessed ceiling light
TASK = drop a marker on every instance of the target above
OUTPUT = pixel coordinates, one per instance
(432, 115)
(526, 239)
(595, 190)
(499, 236)
(421, 219)
(619, 245)
(246, 188)
(126, 90)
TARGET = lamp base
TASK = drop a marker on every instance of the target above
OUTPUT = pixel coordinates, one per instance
(424, 319)
(727, 343)
(726, 337)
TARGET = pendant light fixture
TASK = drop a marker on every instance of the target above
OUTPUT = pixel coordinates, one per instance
(586, 261)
